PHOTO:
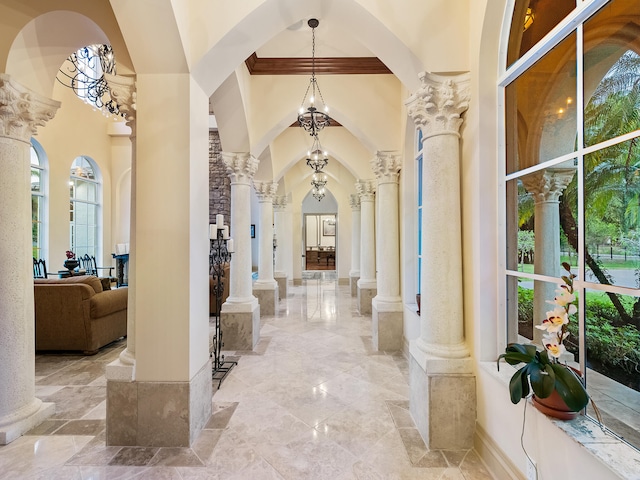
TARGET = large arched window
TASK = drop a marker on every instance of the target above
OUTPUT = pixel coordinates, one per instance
(84, 206)
(572, 187)
(38, 198)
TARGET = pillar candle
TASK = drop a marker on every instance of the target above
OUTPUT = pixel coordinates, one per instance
(220, 220)
(213, 231)
(225, 232)
(230, 248)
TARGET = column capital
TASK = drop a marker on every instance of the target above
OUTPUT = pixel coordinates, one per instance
(266, 191)
(123, 91)
(366, 190)
(354, 201)
(22, 110)
(241, 166)
(279, 202)
(386, 166)
(438, 104)
(547, 185)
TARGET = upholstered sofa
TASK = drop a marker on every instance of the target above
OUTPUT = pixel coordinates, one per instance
(76, 314)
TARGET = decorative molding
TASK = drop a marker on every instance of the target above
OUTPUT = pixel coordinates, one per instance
(354, 201)
(123, 91)
(279, 202)
(22, 110)
(546, 186)
(241, 167)
(438, 104)
(266, 191)
(323, 66)
(386, 166)
(366, 190)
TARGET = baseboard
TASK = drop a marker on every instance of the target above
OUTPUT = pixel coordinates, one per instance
(500, 466)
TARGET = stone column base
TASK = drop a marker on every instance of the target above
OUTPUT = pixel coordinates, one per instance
(158, 414)
(267, 295)
(353, 283)
(443, 401)
(387, 323)
(281, 278)
(365, 296)
(240, 324)
(14, 425)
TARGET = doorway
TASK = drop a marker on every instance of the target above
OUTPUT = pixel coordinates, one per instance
(320, 232)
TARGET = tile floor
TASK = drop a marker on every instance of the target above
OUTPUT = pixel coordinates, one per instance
(313, 401)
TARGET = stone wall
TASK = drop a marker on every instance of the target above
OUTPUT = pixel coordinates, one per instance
(219, 182)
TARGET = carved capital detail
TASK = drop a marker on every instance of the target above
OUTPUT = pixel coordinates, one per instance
(266, 191)
(241, 167)
(386, 166)
(22, 110)
(354, 201)
(123, 91)
(547, 185)
(279, 202)
(366, 190)
(438, 104)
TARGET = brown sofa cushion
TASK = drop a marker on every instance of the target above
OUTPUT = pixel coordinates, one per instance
(109, 302)
(93, 282)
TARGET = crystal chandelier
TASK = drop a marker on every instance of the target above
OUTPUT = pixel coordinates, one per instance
(318, 193)
(311, 117)
(318, 180)
(317, 159)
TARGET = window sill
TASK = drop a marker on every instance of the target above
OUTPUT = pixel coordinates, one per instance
(619, 457)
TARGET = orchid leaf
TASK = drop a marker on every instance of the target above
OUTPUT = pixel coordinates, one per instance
(518, 385)
(542, 379)
(570, 388)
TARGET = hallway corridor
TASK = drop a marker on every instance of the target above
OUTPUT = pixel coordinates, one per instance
(313, 401)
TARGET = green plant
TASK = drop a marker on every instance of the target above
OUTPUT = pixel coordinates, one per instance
(542, 369)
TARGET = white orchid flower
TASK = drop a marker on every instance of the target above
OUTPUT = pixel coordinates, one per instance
(556, 318)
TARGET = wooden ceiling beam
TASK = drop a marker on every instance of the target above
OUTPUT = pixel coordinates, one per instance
(323, 66)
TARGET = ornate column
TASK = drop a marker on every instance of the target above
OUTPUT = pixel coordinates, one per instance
(240, 314)
(123, 92)
(354, 274)
(265, 289)
(443, 399)
(367, 283)
(387, 304)
(546, 187)
(280, 273)
(21, 112)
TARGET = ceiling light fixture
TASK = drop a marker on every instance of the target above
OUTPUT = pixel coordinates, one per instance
(311, 117)
(318, 193)
(318, 180)
(317, 159)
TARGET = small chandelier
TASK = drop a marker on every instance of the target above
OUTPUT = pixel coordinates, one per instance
(312, 118)
(317, 159)
(318, 180)
(318, 193)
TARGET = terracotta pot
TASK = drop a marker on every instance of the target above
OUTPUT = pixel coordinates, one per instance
(554, 406)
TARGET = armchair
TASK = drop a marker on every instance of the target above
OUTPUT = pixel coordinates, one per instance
(39, 268)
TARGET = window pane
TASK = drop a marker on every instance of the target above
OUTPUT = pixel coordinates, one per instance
(34, 157)
(540, 109)
(542, 221)
(532, 20)
(613, 360)
(35, 179)
(612, 214)
(611, 72)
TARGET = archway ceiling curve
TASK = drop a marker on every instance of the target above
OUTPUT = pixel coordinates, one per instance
(339, 177)
(290, 148)
(271, 17)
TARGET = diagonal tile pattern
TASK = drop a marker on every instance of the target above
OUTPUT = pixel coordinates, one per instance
(312, 401)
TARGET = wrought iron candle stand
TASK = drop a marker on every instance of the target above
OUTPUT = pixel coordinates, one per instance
(221, 248)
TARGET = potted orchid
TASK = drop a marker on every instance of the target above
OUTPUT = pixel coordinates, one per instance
(543, 369)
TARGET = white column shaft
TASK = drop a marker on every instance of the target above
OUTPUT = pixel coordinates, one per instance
(356, 225)
(367, 243)
(280, 228)
(265, 266)
(240, 268)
